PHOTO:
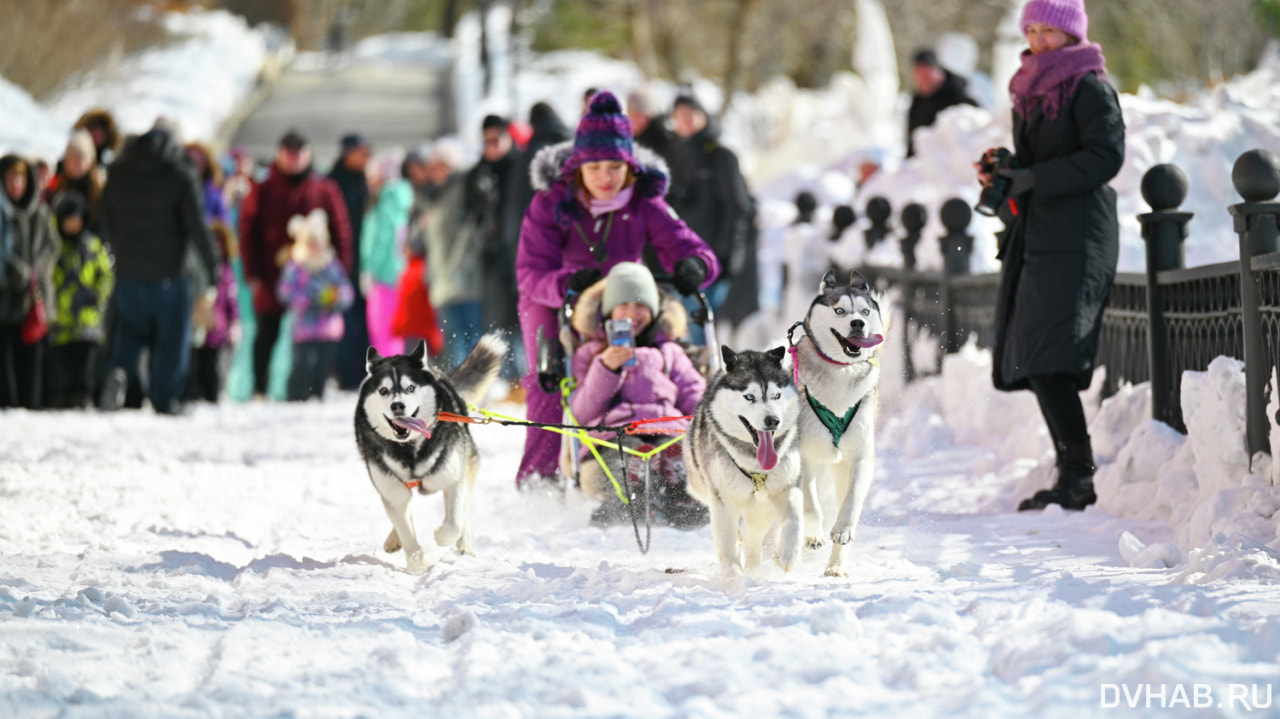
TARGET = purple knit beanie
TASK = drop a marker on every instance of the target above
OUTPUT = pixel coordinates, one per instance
(604, 133)
(1066, 15)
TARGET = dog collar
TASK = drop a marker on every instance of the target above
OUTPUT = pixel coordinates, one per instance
(413, 483)
(757, 478)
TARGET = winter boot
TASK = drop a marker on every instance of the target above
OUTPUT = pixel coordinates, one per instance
(1074, 488)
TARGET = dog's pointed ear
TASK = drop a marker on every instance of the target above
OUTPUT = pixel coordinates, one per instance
(858, 282)
(370, 357)
(419, 354)
(729, 357)
(828, 282)
(776, 354)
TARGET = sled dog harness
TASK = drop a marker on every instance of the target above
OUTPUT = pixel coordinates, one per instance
(834, 423)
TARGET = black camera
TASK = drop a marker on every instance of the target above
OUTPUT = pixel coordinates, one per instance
(993, 161)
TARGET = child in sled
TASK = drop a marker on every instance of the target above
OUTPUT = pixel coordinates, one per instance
(620, 383)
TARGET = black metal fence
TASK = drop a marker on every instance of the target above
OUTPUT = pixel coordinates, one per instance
(1156, 325)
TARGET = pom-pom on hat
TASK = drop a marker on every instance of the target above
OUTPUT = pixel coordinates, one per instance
(1066, 15)
(604, 133)
(629, 282)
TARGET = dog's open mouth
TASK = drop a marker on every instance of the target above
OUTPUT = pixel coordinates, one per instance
(855, 343)
(402, 426)
(766, 453)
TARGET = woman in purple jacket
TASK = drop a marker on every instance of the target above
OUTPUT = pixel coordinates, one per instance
(599, 202)
(649, 379)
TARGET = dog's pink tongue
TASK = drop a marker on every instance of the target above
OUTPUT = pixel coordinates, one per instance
(765, 453)
(414, 423)
(869, 341)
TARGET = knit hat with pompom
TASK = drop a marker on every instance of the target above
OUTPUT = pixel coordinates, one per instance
(604, 133)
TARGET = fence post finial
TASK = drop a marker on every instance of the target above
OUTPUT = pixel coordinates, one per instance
(914, 217)
(878, 212)
(1256, 176)
(1164, 229)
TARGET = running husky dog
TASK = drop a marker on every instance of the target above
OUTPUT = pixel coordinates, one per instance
(744, 460)
(836, 367)
(404, 448)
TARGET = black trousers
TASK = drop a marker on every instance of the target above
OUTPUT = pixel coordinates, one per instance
(205, 379)
(263, 343)
(1061, 406)
(21, 367)
(72, 375)
(312, 364)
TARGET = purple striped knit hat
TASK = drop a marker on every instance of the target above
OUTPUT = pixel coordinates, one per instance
(604, 133)
(1066, 15)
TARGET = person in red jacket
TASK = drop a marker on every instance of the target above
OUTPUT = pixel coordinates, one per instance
(291, 188)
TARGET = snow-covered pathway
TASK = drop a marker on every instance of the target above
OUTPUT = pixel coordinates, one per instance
(229, 564)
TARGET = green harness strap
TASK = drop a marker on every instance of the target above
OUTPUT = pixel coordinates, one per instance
(836, 425)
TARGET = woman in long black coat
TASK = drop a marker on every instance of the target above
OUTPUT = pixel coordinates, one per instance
(1062, 240)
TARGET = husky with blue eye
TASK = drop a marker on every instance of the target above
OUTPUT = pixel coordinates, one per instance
(836, 361)
(406, 449)
(743, 456)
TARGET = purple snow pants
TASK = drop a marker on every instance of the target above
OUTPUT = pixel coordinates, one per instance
(541, 447)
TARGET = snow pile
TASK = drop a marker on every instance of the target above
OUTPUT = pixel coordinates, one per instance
(198, 80)
(27, 128)
(1223, 513)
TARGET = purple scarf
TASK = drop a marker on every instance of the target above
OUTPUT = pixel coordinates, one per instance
(1048, 80)
(600, 207)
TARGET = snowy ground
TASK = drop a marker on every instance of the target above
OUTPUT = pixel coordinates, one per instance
(230, 564)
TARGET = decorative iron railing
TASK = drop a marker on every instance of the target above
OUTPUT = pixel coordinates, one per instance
(1198, 314)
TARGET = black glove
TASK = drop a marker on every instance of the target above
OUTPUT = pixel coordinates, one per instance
(1023, 180)
(582, 279)
(688, 275)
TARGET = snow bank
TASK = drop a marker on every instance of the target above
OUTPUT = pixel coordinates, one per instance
(1224, 513)
(27, 128)
(199, 79)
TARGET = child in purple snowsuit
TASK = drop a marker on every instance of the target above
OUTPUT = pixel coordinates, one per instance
(314, 285)
(599, 202)
(619, 384)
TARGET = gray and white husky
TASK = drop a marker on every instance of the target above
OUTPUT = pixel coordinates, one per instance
(743, 458)
(405, 448)
(839, 377)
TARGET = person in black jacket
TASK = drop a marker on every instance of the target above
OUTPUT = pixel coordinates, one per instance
(151, 214)
(349, 173)
(1060, 248)
(490, 195)
(936, 89)
(710, 195)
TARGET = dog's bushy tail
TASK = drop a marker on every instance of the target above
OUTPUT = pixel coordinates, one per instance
(477, 372)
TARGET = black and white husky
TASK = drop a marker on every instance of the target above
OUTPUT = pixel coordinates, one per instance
(839, 377)
(743, 458)
(405, 448)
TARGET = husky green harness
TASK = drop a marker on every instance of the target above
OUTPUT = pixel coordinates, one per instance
(834, 423)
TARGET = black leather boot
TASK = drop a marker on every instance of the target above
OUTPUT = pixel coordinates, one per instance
(1074, 488)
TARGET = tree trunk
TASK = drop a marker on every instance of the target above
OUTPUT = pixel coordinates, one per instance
(732, 72)
(449, 22)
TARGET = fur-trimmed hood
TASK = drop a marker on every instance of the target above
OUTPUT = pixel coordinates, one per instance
(102, 117)
(652, 177)
(670, 324)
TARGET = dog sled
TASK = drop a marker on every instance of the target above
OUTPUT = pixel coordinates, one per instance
(632, 477)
